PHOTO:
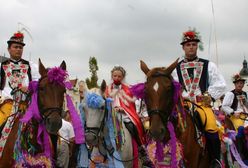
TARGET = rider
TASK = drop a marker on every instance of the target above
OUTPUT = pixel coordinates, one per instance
(235, 102)
(198, 76)
(16, 73)
(235, 106)
(124, 103)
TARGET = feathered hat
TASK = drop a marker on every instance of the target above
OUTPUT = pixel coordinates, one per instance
(192, 35)
(237, 78)
(17, 38)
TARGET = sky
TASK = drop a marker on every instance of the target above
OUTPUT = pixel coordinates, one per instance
(123, 32)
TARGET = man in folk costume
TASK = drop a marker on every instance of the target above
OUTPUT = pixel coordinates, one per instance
(235, 106)
(197, 77)
(235, 102)
(16, 73)
(124, 104)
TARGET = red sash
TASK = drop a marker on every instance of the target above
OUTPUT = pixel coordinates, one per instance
(131, 111)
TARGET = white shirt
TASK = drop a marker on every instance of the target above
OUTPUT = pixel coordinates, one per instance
(227, 103)
(5, 93)
(141, 111)
(118, 93)
(66, 131)
(217, 84)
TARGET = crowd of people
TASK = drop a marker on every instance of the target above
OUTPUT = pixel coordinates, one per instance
(196, 75)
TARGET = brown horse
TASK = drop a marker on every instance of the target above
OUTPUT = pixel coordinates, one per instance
(159, 90)
(50, 97)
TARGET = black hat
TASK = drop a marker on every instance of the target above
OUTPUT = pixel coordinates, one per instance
(17, 38)
(192, 35)
(189, 36)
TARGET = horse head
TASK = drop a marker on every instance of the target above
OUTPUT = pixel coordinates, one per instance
(159, 90)
(51, 89)
(94, 108)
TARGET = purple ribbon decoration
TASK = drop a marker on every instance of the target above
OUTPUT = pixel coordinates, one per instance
(33, 113)
(76, 122)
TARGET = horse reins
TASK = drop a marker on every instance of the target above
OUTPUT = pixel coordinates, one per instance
(97, 134)
(110, 151)
(98, 129)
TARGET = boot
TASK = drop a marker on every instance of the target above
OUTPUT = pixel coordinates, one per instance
(214, 147)
(146, 162)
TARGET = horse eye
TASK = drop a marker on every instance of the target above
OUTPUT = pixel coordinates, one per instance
(41, 88)
(102, 107)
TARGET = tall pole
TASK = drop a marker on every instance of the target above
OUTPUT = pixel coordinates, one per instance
(215, 35)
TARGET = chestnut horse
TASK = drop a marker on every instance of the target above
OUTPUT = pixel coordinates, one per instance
(50, 97)
(159, 92)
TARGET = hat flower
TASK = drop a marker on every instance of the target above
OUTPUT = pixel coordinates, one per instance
(18, 35)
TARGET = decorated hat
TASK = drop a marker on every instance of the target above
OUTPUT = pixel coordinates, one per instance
(17, 38)
(237, 78)
(192, 35)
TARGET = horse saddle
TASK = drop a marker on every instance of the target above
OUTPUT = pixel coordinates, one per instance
(195, 116)
(1, 128)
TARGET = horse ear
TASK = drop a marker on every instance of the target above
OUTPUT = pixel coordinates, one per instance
(172, 67)
(144, 67)
(42, 69)
(103, 86)
(63, 65)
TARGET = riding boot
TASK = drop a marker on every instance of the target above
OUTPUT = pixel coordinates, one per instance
(214, 147)
(146, 162)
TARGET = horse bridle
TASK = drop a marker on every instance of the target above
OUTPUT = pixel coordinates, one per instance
(49, 110)
(97, 134)
(165, 118)
(98, 129)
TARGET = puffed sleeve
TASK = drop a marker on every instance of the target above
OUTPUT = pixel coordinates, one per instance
(174, 75)
(217, 84)
(227, 103)
(34, 71)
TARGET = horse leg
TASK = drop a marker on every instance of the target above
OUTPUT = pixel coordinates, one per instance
(73, 157)
(193, 152)
(7, 159)
(127, 149)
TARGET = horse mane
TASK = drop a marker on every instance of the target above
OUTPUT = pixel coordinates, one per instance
(94, 98)
(159, 70)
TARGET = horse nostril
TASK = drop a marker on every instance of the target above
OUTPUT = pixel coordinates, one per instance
(91, 139)
(163, 131)
(53, 124)
(154, 134)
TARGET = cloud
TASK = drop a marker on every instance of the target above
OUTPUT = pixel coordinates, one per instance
(125, 31)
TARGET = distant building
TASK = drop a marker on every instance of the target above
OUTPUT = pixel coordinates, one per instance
(74, 93)
(244, 73)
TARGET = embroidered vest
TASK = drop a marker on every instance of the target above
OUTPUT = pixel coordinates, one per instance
(235, 100)
(3, 74)
(203, 84)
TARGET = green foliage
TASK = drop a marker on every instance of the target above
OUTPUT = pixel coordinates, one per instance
(93, 67)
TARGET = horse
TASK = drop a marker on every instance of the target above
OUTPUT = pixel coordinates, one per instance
(49, 103)
(160, 100)
(96, 129)
(239, 141)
